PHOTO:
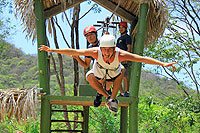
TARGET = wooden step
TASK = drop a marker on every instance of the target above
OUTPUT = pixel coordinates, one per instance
(75, 111)
(66, 121)
(83, 100)
(67, 131)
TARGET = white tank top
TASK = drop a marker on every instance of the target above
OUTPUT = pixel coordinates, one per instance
(100, 66)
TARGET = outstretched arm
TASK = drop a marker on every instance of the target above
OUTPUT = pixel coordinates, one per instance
(126, 56)
(70, 51)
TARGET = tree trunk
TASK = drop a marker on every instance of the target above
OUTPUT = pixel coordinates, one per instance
(75, 42)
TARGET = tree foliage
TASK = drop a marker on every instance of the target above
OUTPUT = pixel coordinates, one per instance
(17, 69)
(170, 115)
(181, 43)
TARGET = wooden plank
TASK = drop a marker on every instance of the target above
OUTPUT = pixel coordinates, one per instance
(84, 100)
(71, 111)
(66, 121)
(120, 11)
(67, 131)
(56, 9)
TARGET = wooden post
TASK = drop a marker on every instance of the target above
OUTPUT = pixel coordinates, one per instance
(86, 110)
(136, 69)
(45, 118)
(124, 110)
(124, 120)
(43, 67)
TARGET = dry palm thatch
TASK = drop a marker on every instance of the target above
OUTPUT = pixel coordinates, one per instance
(157, 20)
(157, 14)
(25, 9)
(20, 104)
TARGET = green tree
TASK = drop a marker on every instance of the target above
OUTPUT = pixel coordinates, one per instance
(17, 69)
(181, 43)
(172, 114)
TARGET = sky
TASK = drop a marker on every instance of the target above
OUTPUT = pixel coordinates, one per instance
(19, 37)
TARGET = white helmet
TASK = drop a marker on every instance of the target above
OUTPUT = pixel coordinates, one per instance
(107, 41)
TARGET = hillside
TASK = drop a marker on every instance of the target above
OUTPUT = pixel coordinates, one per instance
(152, 85)
(18, 70)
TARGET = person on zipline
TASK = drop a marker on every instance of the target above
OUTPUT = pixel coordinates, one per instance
(107, 66)
(90, 34)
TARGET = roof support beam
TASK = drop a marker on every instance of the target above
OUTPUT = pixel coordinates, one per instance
(120, 11)
(56, 9)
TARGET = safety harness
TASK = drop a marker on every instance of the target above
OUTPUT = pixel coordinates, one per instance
(107, 74)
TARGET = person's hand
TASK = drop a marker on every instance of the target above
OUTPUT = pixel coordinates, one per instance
(45, 48)
(76, 57)
(170, 64)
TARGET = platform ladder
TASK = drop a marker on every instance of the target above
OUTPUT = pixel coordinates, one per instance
(79, 122)
(82, 122)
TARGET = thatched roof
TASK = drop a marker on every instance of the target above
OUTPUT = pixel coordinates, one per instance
(127, 9)
(17, 103)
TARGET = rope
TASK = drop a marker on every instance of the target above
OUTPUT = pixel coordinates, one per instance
(112, 14)
(115, 9)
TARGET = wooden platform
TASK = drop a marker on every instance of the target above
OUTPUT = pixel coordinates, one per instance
(83, 100)
(86, 98)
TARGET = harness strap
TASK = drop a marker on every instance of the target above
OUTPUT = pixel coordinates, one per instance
(107, 69)
(108, 74)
